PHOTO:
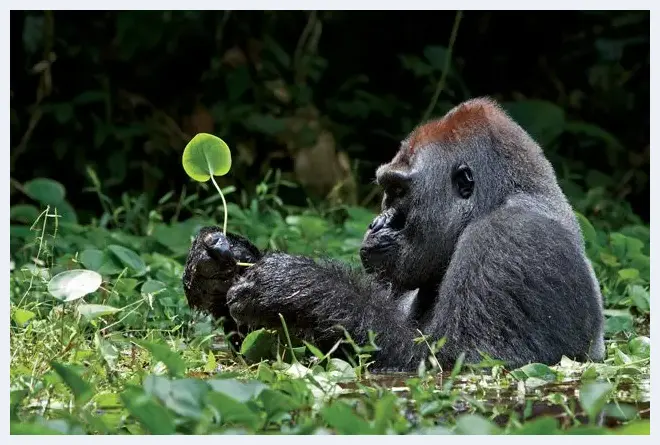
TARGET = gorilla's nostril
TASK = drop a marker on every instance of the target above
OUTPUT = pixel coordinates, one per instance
(377, 223)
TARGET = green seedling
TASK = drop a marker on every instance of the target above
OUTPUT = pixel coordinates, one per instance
(207, 156)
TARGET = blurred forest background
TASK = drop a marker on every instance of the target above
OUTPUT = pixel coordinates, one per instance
(104, 102)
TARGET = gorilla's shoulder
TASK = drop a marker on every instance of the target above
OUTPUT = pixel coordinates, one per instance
(527, 230)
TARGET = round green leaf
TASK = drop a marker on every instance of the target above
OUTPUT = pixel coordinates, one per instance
(74, 284)
(45, 190)
(24, 213)
(206, 155)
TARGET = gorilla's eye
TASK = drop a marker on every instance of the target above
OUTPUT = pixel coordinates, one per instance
(464, 182)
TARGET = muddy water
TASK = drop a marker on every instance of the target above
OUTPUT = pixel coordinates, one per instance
(557, 399)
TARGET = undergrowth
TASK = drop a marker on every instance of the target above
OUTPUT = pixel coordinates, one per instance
(141, 362)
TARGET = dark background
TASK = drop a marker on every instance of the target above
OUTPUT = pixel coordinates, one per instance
(323, 96)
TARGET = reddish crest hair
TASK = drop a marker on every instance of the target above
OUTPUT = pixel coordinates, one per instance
(460, 123)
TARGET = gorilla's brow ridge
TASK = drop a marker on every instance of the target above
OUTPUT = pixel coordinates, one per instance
(462, 122)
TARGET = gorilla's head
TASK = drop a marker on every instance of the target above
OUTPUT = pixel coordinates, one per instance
(447, 173)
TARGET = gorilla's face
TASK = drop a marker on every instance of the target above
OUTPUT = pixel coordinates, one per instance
(428, 201)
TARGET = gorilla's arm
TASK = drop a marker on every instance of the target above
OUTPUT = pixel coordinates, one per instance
(511, 303)
(316, 297)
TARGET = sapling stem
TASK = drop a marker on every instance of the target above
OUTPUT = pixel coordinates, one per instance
(224, 207)
(224, 204)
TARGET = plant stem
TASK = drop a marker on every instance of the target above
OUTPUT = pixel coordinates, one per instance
(445, 71)
(224, 204)
(245, 264)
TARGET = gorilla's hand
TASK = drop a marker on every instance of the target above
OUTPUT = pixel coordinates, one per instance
(275, 284)
(212, 268)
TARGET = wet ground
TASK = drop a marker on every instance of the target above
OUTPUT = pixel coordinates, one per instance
(557, 399)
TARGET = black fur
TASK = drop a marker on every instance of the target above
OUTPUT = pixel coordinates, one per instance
(476, 243)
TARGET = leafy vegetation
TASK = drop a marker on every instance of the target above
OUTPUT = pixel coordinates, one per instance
(124, 354)
(102, 340)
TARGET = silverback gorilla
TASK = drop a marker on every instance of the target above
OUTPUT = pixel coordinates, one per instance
(475, 243)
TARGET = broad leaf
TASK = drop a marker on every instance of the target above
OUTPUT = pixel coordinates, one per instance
(81, 390)
(44, 190)
(74, 284)
(128, 257)
(593, 396)
(206, 155)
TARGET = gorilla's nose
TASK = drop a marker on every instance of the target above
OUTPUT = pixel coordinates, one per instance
(377, 223)
(217, 246)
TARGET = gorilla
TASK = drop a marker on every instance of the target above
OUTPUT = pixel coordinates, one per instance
(476, 243)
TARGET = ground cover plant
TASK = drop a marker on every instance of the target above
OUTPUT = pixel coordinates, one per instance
(102, 340)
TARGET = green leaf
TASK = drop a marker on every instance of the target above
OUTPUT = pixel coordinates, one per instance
(640, 297)
(640, 347)
(628, 274)
(74, 284)
(620, 411)
(44, 190)
(617, 320)
(536, 370)
(152, 415)
(640, 427)
(265, 123)
(107, 350)
(587, 129)
(186, 397)
(314, 350)
(92, 311)
(33, 429)
(588, 231)
(66, 211)
(152, 287)
(340, 370)
(128, 257)
(543, 425)
(238, 390)
(258, 345)
(544, 120)
(206, 155)
(176, 367)
(436, 55)
(276, 402)
(91, 258)
(233, 411)
(385, 412)
(341, 417)
(81, 390)
(22, 316)
(475, 424)
(593, 396)
(99, 261)
(23, 213)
